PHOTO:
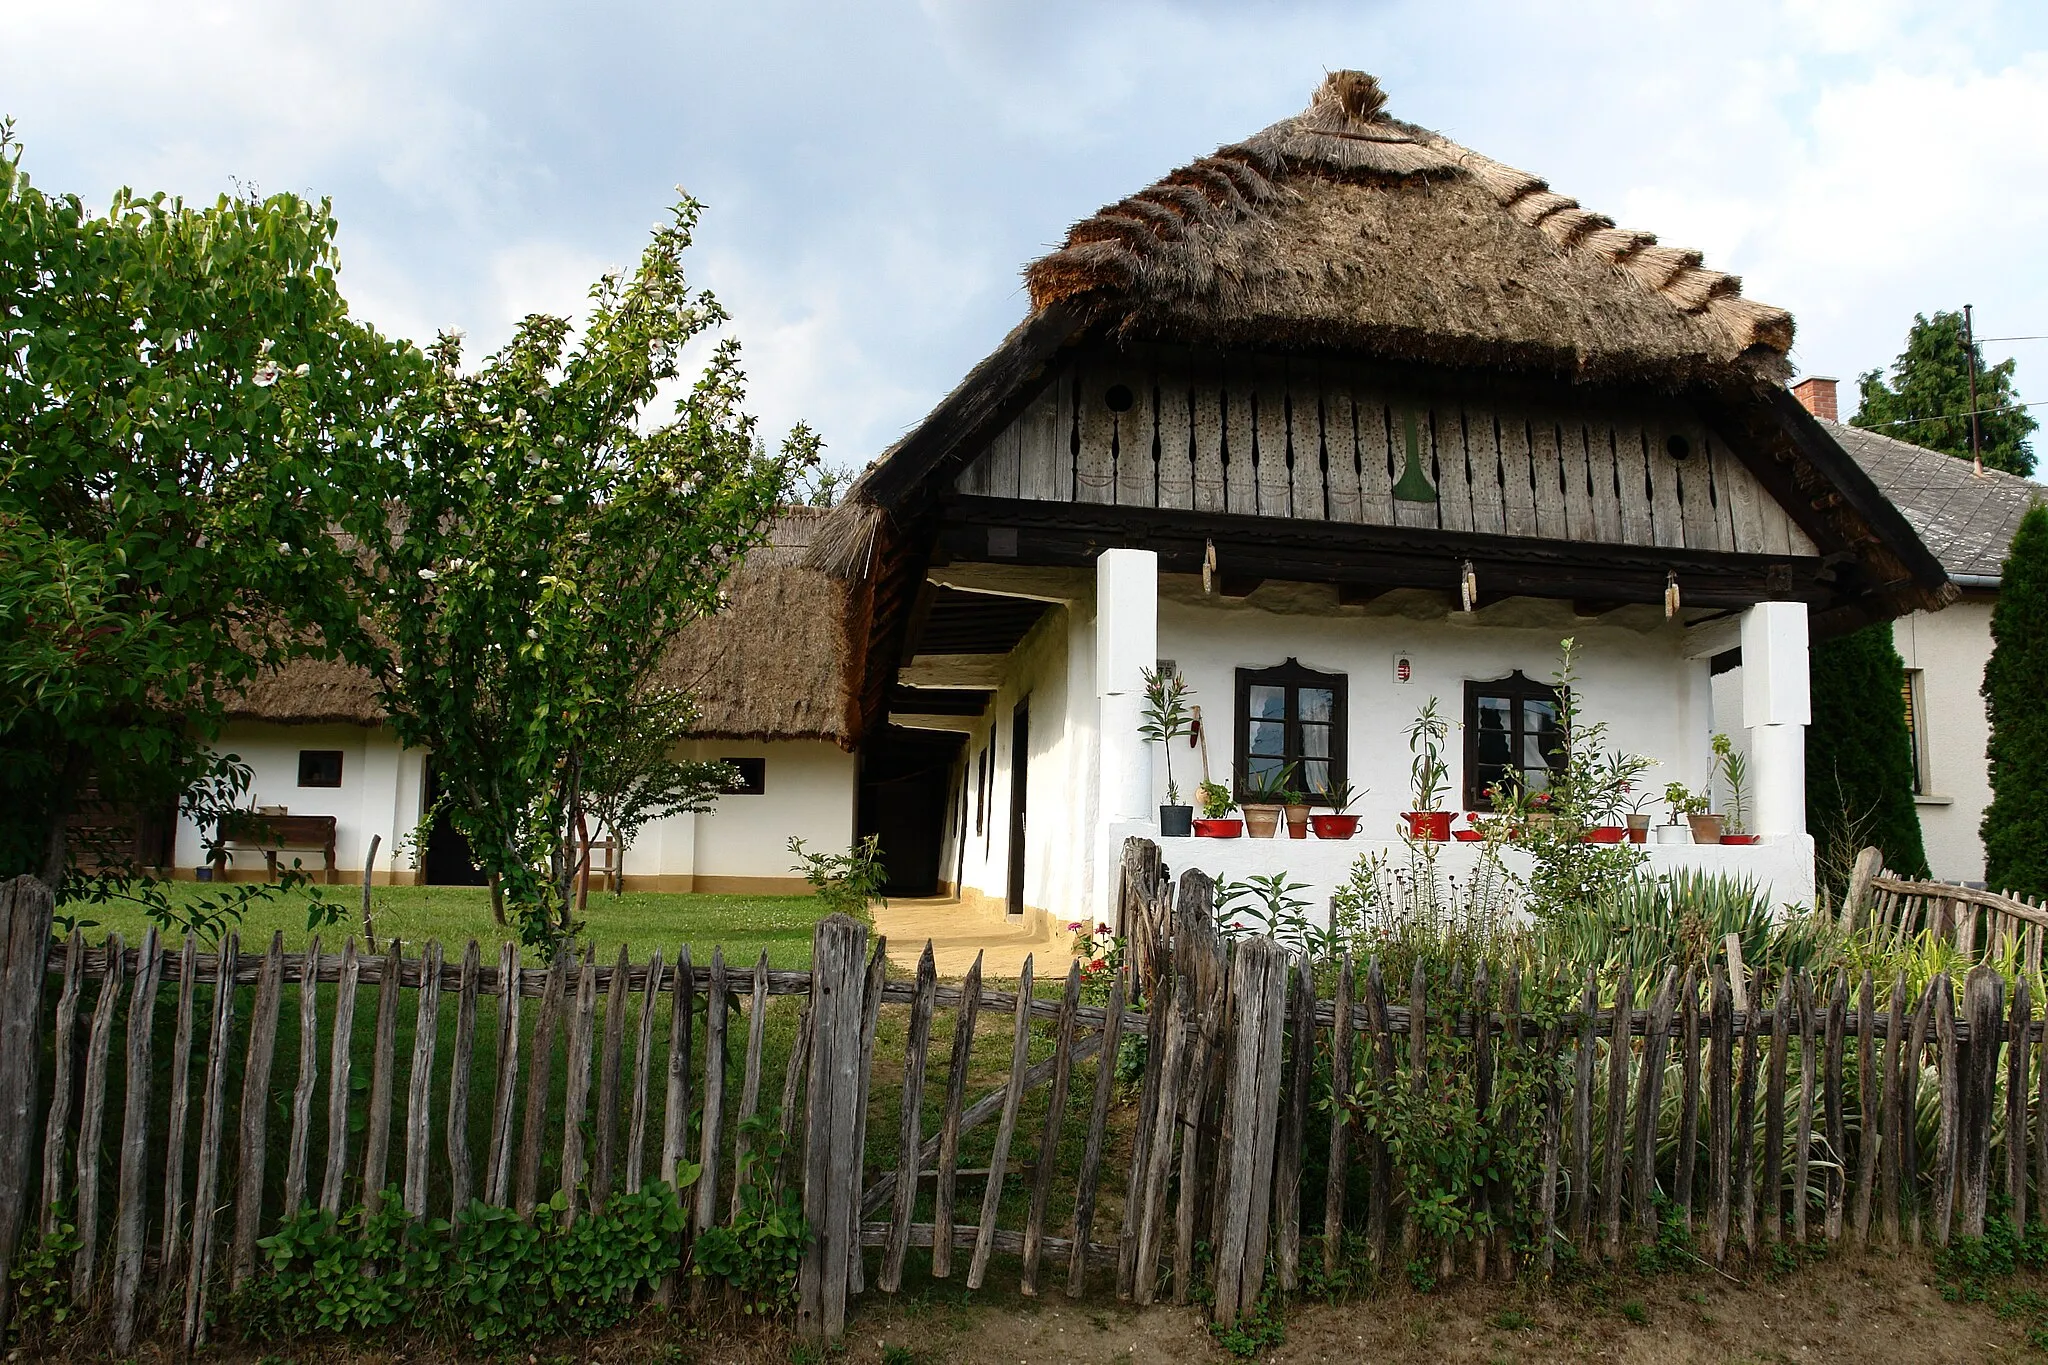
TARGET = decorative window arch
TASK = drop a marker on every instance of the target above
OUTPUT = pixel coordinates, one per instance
(1291, 714)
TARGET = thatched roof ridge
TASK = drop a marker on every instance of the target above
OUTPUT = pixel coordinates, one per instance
(1341, 226)
(1968, 520)
(772, 665)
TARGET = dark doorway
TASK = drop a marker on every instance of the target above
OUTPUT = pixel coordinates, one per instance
(1020, 769)
(448, 860)
(906, 789)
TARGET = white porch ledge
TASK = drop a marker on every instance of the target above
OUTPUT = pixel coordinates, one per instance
(1782, 864)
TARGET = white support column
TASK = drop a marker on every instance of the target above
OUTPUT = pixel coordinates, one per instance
(1126, 643)
(1776, 708)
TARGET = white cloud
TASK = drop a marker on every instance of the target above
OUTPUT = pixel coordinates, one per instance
(877, 175)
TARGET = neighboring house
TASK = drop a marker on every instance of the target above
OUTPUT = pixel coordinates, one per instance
(769, 674)
(1339, 419)
(1968, 520)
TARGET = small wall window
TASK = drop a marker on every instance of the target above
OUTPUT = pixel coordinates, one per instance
(319, 767)
(1916, 728)
(1511, 732)
(753, 776)
(1290, 716)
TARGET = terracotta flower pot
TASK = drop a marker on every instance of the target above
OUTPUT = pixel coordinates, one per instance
(1333, 826)
(1433, 826)
(1219, 828)
(1638, 829)
(1706, 829)
(1260, 821)
(1297, 821)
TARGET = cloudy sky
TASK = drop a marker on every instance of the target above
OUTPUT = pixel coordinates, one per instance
(876, 174)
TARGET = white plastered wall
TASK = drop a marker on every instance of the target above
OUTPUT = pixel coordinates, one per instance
(1951, 648)
(379, 795)
(738, 846)
(1636, 677)
(1053, 667)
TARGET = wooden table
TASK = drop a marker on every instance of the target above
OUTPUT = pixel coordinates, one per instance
(274, 833)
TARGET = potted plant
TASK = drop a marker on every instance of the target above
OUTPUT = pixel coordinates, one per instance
(1263, 799)
(1294, 802)
(1428, 775)
(1683, 805)
(1638, 818)
(1733, 765)
(1339, 823)
(1164, 720)
(1214, 821)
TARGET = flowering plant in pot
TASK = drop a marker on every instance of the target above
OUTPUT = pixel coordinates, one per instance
(1339, 823)
(1164, 720)
(1264, 796)
(1733, 765)
(1214, 822)
(1428, 775)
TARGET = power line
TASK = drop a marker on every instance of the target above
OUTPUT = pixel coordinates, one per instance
(1958, 416)
(2043, 337)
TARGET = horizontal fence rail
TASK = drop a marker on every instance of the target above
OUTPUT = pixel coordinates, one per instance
(1215, 1113)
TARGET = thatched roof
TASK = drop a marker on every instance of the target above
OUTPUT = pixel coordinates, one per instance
(1345, 227)
(1968, 520)
(772, 665)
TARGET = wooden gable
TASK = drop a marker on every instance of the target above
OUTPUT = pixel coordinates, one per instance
(1322, 441)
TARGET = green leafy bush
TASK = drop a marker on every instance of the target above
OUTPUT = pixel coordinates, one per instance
(490, 1276)
(1859, 757)
(42, 1277)
(2015, 827)
(848, 883)
(759, 1251)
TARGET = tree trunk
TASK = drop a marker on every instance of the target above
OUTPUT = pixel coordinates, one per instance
(497, 900)
(63, 800)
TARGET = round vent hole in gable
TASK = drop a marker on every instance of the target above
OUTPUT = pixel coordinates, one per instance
(1119, 398)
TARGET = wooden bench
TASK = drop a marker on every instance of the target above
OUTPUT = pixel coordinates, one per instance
(273, 834)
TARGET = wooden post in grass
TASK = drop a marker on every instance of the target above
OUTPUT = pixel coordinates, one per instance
(25, 907)
(831, 1160)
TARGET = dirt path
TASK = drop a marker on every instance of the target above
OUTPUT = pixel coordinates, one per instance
(1873, 1308)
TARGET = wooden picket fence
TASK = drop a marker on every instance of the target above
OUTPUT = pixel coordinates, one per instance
(1757, 1113)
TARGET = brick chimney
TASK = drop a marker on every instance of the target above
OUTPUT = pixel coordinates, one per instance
(1817, 392)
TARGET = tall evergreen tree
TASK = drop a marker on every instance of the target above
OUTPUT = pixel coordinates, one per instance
(1859, 756)
(1928, 400)
(2015, 828)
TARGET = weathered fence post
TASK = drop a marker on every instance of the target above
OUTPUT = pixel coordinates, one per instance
(1251, 1108)
(25, 906)
(831, 1192)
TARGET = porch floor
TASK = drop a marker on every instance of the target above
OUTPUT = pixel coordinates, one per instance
(957, 933)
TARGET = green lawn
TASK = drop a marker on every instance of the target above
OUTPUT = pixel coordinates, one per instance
(643, 920)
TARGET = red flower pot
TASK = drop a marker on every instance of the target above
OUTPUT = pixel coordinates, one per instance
(1333, 826)
(1467, 836)
(1739, 838)
(1219, 829)
(1606, 834)
(1431, 825)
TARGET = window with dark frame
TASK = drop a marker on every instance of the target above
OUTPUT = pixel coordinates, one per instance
(1511, 733)
(1916, 728)
(753, 776)
(1290, 715)
(319, 767)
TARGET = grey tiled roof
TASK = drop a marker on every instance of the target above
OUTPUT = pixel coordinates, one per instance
(1966, 521)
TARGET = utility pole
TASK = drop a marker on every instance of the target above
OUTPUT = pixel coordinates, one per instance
(1970, 351)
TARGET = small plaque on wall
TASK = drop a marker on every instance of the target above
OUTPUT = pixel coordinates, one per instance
(1404, 666)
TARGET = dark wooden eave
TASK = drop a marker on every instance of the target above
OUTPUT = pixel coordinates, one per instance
(1378, 557)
